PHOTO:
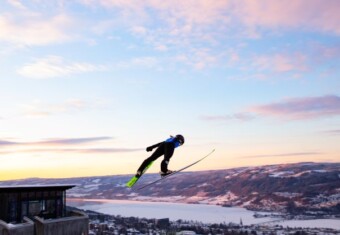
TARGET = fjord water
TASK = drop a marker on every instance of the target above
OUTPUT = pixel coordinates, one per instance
(191, 212)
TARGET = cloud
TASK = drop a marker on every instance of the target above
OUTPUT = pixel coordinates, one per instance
(16, 3)
(38, 109)
(199, 58)
(148, 62)
(165, 22)
(291, 109)
(55, 66)
(281, 62)
(283, 155)
(34, 29)
(308, 15)
(139, 30)
(222, 118)
(172, 25)
(195, 16)
(313, 15)
(61, 145)
(301, 108)
(189, 13)
(72, 141)
(312, 58)
(7, 143)
(71, 150)
(138, 62)
(56, 142)
(108, 150)
(198, 31)
(331, 132)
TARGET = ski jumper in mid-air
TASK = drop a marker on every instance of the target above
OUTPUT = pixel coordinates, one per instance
(165, 148)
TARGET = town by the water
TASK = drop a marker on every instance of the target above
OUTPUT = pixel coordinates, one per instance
(102, 224)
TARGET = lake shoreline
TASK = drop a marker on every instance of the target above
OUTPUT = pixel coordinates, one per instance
(175, 211)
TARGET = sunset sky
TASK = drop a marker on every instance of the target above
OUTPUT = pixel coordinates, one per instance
(87, 85)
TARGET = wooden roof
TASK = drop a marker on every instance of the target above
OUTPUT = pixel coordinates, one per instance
(29, 188)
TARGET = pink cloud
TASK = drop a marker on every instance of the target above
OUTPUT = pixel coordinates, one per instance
(34, 29)
(283, 155)
(281, 62)
(331, 132)
(61, 145)
(322, 53)
(56, 142)
(236, 116)
(190, 12)
(301, 108)
(315, 15)
(55, 66)
(72, 150)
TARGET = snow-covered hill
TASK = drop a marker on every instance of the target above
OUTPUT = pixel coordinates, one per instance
(296, 188)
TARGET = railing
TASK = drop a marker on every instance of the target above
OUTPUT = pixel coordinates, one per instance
(25, 228)
(75, 224)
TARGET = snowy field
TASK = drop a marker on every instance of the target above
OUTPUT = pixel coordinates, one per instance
(194, 212)
(315, 223)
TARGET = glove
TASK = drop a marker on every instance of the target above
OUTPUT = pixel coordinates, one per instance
(148, 149)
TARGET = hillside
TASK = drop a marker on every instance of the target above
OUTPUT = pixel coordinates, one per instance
(312, 188)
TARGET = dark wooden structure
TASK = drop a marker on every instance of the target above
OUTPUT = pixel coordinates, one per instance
(45, 201)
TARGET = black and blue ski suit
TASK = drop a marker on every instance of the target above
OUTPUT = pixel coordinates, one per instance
(165, 148)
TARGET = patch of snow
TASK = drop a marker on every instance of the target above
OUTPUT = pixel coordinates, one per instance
(326, 200)
(92, 186)
(219, 200)
(286, 174)
(247, 203)
(194, 199)
(320, 171)
(132, 194)
(307, 164)
(268, 204)
(287, 194)
(227, 177)
(281, 174)
(170, 199)
(78, 194)
(300, 173)
(315, 223)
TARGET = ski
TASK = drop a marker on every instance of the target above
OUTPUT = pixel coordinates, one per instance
(134, 179)
(175, 172)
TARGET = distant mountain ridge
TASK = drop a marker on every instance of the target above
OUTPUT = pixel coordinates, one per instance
(295, 188)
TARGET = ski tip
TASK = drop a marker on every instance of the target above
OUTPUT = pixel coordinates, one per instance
(132, 182)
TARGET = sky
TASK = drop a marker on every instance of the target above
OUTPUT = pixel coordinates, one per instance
(86, 86)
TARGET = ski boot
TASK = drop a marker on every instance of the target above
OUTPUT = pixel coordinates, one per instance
(168, 172)
(138, 174)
